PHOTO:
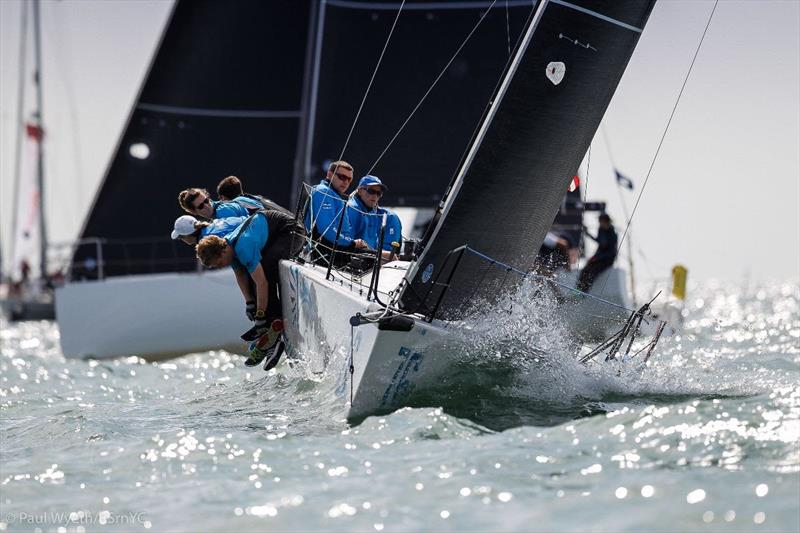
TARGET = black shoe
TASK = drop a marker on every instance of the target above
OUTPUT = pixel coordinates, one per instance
(262, 348)
(273, 356)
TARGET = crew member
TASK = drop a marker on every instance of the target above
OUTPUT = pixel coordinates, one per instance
(198, 202)
(366, 217)
(230, 190)
(190, 230)
(325, 216)
(254, 250)
(604, 256)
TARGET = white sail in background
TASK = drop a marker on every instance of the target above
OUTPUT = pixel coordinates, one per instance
(26, 241)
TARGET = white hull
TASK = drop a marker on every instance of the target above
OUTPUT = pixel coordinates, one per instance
(152, 316)
(387, 365)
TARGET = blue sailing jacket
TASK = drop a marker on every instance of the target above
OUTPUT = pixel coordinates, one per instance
(249, 241)
(365, 222)
(241, 206)
(393, 231)
(222, 226)
(325, 208)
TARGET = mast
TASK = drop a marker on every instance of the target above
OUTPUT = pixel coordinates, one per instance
(309, 98)
(37, 45)
(23, 74)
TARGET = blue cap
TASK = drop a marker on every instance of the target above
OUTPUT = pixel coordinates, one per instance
(366, 181)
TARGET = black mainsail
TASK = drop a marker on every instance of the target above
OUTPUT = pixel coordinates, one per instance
(222, 97)
(531, 142)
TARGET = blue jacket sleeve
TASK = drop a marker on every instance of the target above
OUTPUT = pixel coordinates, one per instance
(326, 209)
(393, 231)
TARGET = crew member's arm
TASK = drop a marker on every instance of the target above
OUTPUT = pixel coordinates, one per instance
(262, 290)
(243, 283)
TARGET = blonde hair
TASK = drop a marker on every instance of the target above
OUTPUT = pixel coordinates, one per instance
(210, 248)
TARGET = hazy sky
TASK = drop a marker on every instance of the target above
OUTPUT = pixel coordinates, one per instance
(723, 197)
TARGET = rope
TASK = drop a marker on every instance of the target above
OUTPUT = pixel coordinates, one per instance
(549, 280)
(664, 135)
(435, 81)
(585, 195)
(508, 31)
(372, 79)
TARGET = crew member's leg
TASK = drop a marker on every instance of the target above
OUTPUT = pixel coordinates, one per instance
(590, 273)
(284, 246)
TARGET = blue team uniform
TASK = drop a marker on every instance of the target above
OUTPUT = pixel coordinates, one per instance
(241, 206)
(325, 209)
(221, 226)
(365, 223)
(248, 243)
(393, 232)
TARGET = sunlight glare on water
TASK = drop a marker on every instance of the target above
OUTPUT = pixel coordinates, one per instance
(707, 437)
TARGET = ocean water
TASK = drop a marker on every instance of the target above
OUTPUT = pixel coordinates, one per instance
(707, 438)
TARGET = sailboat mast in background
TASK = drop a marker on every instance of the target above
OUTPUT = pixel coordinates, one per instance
(39, 138)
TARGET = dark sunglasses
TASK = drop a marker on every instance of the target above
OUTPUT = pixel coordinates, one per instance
(201, 204)
(376, 192)
(343, 177)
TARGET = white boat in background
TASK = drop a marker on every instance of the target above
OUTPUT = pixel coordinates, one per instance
(153, 316)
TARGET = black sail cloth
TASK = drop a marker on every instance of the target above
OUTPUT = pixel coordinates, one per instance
(510, 187)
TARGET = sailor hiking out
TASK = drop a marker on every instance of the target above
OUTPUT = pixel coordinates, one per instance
(253, 250)
(190, 230)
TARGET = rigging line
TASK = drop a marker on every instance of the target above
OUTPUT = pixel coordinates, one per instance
(371, 80)
(585, 196)
(508, 31)
(664, 135)
(435, 81)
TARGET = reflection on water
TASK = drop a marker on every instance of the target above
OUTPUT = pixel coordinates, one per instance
(704, 439)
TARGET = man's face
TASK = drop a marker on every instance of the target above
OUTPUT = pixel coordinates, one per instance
(340, 179)
(201, 206)
(224, 259)
(191, 240)
(370, 195)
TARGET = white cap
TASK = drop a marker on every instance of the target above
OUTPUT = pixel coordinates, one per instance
(184, 225)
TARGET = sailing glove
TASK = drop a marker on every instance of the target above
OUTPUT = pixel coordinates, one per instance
(250, 310)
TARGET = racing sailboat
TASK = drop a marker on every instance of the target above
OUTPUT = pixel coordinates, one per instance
(397, 321)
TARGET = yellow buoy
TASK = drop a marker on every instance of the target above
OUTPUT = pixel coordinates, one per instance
(679, 281)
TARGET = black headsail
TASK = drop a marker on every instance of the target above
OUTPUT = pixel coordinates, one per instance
(533, 137)
(222, 97)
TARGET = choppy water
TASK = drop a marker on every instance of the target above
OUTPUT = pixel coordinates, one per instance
(706, 440)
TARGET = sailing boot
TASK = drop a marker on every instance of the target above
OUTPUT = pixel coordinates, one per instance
(259, 349)
(274, 354)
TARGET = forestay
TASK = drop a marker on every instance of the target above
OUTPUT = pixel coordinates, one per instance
(542, 119)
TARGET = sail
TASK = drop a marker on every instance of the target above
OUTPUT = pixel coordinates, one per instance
(517, 171)
(425, 155)
(222, 97)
